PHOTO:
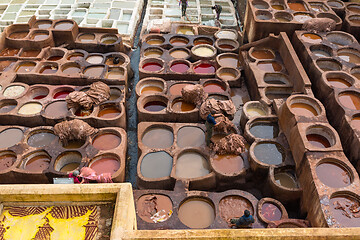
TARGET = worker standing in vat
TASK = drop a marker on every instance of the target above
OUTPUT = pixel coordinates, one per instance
(209, 124)
(244, 222)
(183, 8)
(218, 10)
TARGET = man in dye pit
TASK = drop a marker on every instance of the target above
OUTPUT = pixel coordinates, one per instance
(209, 124)
(244, 222)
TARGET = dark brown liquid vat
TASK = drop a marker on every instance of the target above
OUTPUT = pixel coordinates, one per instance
(228, 164)
(30, 53)
(9, 52)
(182, 106)
(299, 7)
(271, 212)
(303, 109)
(176, 88)
(226, 46)
(350, 100)
(54, 58)
(37, 163)
(105, 165)
(6, 161)
(25, 67)
(148, 205)
(333, 175)
(339, 83)
(262, 54)
(109, 112)
(318, 140)
(234, 207)
(5, 64)
(106, 141)
(18, 35)
(154, 106)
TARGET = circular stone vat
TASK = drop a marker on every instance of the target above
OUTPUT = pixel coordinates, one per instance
(321, 50)
(355, 72)
(152, 65)
(319, 7)
(179, 41)
(56, 109)
(7, 159)
(64, 25)
(283, 16)
(115, 60)
(155, 40)
(95, 59)
(10, 137)
(109, 39)
(355, 19)
(320, 136)
(156, 165)
(106, 163)
(149, 204)
(41, 138)
(71, 68)
(328, 65)
(30, 108)
(233, 206)
(7, 105)
(38, 92)
(343, 208)
(185, 30)
(151, 86)
(228, 164)
(228, 60)
(86, 37)
(270, 153)
(264, 129)
(304, 106)
(190, 136)
(158, 137)
(278, 5)
(106, 141)
(115, 73)
(286, 179)
(255, 109)
(156, 105)
(339, 80)
(115, 94)
(228, 74)
(226, 34)
(203, 51)
(94, 71)
(179, 105)
(191, 164)
(276, 78)
(355, 8)
(349, 55)
(311, 38)
(18, 35)
(350, 100)
(48, 69)
(25, 67)
(271, 212)
(61, 93)
(333, 173)
(42, 24)
(77, 56)
(214, 87)
(263, 15)
(197, 212)
(153, 52)
(203, 40)
(260, 4)
(67, 161)
(176, 89)
(36, 162)
(302, 17)
(340, 39)
(109, 111)
(39, 35)
(335, 4)
(297, 6)
(179, 66)
(204, 68)
(263, 54)
(226, 45)
(355, 122)
(270, 66)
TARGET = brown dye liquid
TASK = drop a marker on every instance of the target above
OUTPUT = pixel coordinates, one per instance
(64, 26)
(355, 21)
(74, 144)
(71, 70)
(182, 106)
(213, 88)
(228, 164)
(298, 7)
(179, 41)
(94, 72)
(202, 41)
(6, 161)
(234, 207)
(285, 179)
(357, 75)
(38, 163)
(86, 38)
(39, 36)
(303, 109)
(154, 106)
(229, 61)
(148, 205)
(271, 212)
(355, 123)
(312, 38)
(278, 7)
(158, 138)
(262, 54)
(25, 67)
(56, 109)
(114, 74)
(110, 61)
(110, 112)
(30, 53)
(69, 167)
(270, 66)
(9, 52)
(151, 89)
(154, 41)
(18, 35)
(179, 54)
(82, 112)
(345, 211)
(349, 57)
(227, 76)
(217, 137)
(152, 53)
(176, 88)
(76, 57)
(339, 83)
(48, 70)
(226, 46)
(333, 175)
(355, 9)
(106, 141)
(350, 100)
(318, 141)
(5, 63)
(196, 213)
(54, 58)
(105, 165)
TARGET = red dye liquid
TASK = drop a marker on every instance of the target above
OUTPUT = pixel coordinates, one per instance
(39, 97)
(105, 165)
(204, 68)
(318, 140)
(226, 46)
(179, 67)
(213, 87)
(271, 212)
(154, 106)
(61, 94)
(152, 67)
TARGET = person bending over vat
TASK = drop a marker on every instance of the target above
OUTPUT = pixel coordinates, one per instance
(87, 174)
(218, 10)
(209, 124)
(243, 222)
